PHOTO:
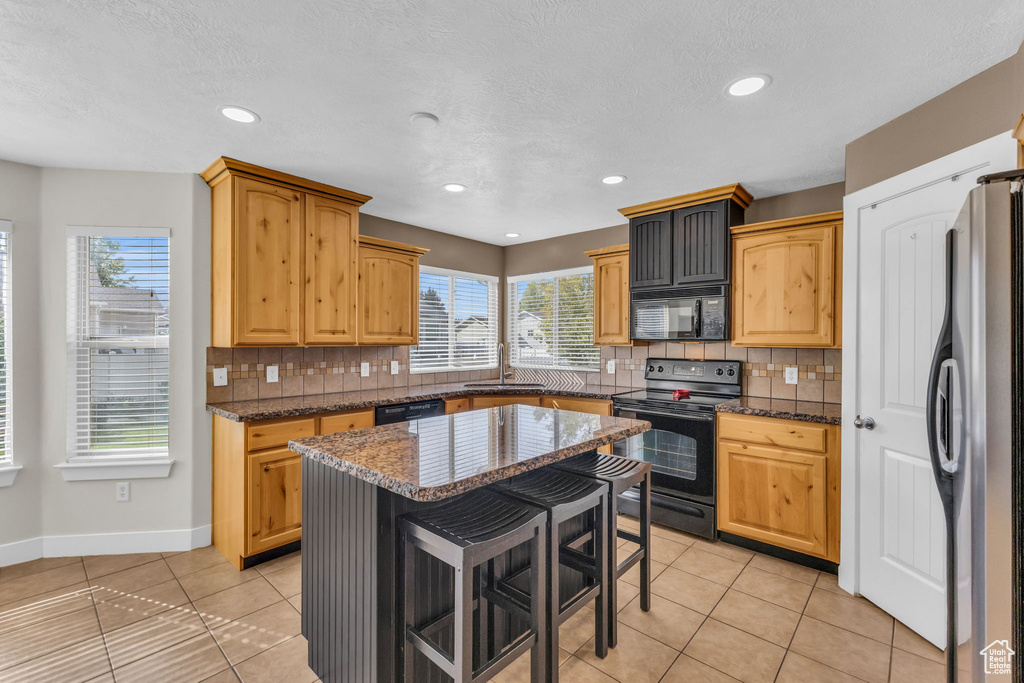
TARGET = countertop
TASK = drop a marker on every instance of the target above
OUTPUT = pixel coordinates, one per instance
(439, 457)
(292, 406)
(808, 411)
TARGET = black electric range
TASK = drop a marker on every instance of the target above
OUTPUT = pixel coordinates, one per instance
(679, 402)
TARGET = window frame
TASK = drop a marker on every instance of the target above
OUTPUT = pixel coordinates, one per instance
(512, 323)
(134, 462)
(8, 469)
(493, 289)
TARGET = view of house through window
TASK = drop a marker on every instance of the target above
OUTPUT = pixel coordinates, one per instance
(551, 320)
(458, 322)
(118, 332)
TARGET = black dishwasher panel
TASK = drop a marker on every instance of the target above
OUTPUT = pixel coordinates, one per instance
(403, 412)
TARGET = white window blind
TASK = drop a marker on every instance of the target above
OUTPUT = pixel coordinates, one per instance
(6, 454)
(118, 332)
(458, 322)
(551, 320)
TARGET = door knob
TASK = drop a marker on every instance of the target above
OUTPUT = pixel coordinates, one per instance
(867, 423)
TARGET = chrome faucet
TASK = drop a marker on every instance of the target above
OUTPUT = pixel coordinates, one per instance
(503, 373)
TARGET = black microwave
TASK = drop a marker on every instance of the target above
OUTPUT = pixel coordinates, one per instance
(681, 317)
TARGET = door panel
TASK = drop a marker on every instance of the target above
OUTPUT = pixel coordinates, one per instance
(274, 499)
(388, 291)
(773, 495)
(701, 244)
(611, 287)
(650, 251)
(785, 287)
(332, 234)
(268, 264)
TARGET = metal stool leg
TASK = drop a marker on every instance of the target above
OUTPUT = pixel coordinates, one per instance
(602, 548)
(613, 563)
(407, 560)
(553, 603)
(463, 631)
(645, 541)
(538, 608)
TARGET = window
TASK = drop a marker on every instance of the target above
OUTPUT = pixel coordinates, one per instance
(6, 455)
(551, 320)
(118, 333)
(458, 322)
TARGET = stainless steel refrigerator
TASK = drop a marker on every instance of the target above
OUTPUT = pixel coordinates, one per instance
(974, 418)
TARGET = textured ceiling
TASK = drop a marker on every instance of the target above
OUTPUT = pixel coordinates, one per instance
(538, 99)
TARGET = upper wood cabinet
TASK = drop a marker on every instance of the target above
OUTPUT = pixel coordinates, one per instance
(332, 247)
(389, 281)
(787, 282)
(684, 240)
(284, 258)
(611, 295)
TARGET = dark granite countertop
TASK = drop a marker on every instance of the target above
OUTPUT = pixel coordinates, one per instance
(439, 457)
(292, 406)
(808, 411)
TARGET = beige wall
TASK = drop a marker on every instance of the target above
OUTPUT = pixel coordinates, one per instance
(446, 251)
(983, 106)
(561, 252)
(800, 203)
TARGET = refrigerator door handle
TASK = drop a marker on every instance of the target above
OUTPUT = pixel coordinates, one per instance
(937, 420)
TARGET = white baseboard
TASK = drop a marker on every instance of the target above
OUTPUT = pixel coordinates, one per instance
(105, 544)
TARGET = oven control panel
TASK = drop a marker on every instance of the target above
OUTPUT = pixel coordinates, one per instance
(674, 369)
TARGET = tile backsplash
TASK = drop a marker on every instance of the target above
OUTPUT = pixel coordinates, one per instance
(331, 369)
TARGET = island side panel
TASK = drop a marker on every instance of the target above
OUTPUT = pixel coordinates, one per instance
(339, 577)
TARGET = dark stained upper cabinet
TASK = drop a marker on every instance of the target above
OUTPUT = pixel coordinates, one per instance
(684, 240)
(650, 251)
(700, 242)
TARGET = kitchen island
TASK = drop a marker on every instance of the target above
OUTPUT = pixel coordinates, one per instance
(356, 484)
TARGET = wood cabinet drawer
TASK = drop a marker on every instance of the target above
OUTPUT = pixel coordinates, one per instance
(273, 433)
(772, 431)
(456, 405)
(345, 422)
(494, 401)
(595, 406)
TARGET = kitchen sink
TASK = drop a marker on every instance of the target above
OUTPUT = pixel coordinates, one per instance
(506, 385)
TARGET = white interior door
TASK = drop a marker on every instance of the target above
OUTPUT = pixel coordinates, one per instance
(893, 527)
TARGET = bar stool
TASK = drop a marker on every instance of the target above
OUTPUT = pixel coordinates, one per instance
(566, 496)
(466, 533)
(621, 474)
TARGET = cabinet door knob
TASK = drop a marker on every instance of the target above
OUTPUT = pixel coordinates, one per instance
(864, 423)
(266, 468)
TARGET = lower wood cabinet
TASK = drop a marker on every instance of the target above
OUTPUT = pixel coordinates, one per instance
(456, 405)
(495, 400)
(257, 481)
(778, 482)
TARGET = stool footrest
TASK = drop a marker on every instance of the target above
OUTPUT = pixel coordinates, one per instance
(628, 563)
(628, 535)
(581, 562)
(429, 650)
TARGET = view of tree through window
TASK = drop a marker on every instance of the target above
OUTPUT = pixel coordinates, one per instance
(458, 322)
(119, 326)
(551, 321)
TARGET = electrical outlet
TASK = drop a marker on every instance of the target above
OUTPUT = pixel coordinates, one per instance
(394, 367)
(791, 375)
(124, 491)
(272, 373)
(364, 369)
(610, 367)
(220, 377)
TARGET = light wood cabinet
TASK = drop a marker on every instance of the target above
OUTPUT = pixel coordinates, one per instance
(389, 274)
(781, 484)
(787, 282)
(596, 406)
(257, 481)
(611, 295)
(496, 400)
(456, 405)
(275, 499)
(332, 248)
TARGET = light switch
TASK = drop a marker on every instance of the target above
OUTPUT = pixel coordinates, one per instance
(610, 367)
(271, 373)
(220, 377)
(394, 367)
(364, 369)
(791, 375)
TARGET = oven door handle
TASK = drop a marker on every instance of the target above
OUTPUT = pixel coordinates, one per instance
(698, 417)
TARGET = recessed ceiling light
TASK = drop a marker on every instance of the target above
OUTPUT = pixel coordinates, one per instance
(512, 234)
(239, 114)
(422, 119)
(747, 86)
(454, 187)
(613, 179)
